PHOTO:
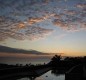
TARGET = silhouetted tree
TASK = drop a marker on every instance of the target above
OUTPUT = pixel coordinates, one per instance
(56, 58)
(26, 65)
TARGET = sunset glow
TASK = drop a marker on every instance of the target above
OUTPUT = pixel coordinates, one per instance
(48, 26)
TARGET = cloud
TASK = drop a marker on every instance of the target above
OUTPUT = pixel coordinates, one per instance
(37, 32)
(58, 16)
(20, 19)
(80, 5)
(71, 19)
(70, 12)
(71, 22)
(11, 28)
(31, 33)
(4, 34)
(34, 20)
(21, 25)
(4, 49)
(60, 23)
(83, 25)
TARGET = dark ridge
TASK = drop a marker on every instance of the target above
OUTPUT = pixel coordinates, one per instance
(4, 49)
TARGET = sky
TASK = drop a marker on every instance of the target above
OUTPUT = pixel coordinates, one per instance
(48, 26)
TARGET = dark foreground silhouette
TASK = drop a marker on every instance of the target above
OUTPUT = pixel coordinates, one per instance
(74, 68)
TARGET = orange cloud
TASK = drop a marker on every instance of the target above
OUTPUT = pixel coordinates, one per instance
(21, 25)
(57, 16)
(70, 12)
(60, 23)
(13, 29)
(34, 20)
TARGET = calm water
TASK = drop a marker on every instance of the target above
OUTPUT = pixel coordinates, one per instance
(24, 60)
(47, 76)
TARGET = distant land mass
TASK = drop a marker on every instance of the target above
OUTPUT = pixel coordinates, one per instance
(5, 49)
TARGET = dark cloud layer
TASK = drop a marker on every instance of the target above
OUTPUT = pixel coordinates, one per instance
(4, 49)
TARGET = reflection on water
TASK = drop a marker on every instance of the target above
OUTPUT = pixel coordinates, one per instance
(47, 76)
